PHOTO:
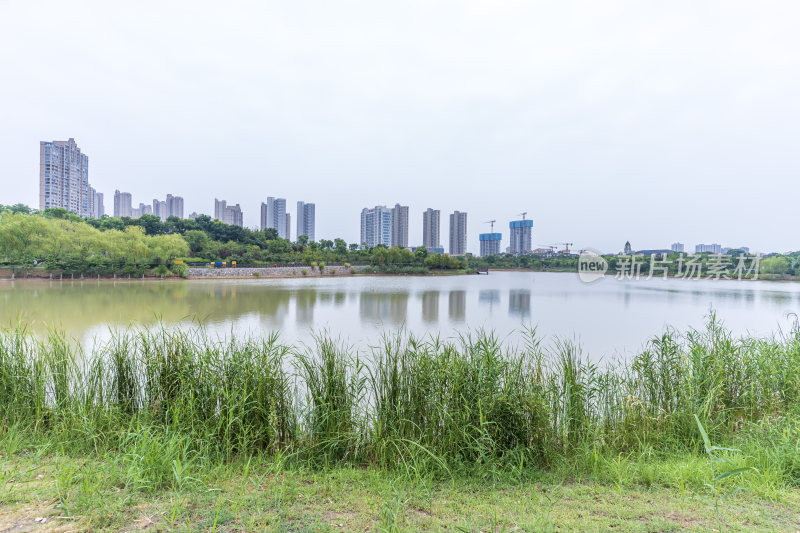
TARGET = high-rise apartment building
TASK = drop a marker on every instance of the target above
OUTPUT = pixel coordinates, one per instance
(400, 225)
(490, 243)
(273, 215)
(677, 247)
(143, 209)
(288, 225)
(219, 209)
(708, 248)
(520, 236)
(100, 206)
(431, 229)
(234, 216)
(231, 215)
(376, 226)
(458, 233)
(160, 209)
(172, 207)
(175, 206)
(306, 219)
(64, 177)
(96, 207)
(123, 204)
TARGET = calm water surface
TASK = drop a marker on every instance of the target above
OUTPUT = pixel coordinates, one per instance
(609, 318)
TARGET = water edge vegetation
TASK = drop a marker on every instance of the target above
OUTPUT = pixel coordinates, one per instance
(161, 411)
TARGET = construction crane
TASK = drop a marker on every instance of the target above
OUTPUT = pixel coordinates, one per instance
(522, 215)
(492, 223)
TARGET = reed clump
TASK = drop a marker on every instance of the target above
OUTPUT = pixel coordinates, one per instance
(184, 399)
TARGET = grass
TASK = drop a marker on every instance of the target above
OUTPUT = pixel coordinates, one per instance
(90, 494)
(417, 434)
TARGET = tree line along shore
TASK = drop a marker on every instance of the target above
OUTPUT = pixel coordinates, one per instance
(60, 244)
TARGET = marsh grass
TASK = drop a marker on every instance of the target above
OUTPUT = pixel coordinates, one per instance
(174, 402)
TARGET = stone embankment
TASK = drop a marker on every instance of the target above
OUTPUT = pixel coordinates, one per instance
(271, 272)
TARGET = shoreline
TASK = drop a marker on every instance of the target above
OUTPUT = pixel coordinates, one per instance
(236, 273)
(271, 273)
(761, 277)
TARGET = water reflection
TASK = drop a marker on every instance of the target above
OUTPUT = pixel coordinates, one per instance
(458, 305)
(383, 307)
(339, 298)
(607, 314)
(519, 302)
(490, 297)
(305, 301)
(430, 306)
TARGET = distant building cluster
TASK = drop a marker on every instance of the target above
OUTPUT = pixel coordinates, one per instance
(381, 225)
(718, 249)
(171, 207)
(273, 216)
(64, 183)
(123, 206)
(678, 247)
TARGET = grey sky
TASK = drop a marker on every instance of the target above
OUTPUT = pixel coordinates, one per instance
(605, 121)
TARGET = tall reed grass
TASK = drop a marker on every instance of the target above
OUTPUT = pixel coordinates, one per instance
(469, 404)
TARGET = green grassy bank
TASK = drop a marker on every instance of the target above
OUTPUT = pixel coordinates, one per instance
(433, 433)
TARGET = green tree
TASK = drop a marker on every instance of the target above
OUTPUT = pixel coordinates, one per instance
(197, 240)
(778, 264)
(152, 225)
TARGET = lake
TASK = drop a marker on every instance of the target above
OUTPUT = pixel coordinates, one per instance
(608, 318)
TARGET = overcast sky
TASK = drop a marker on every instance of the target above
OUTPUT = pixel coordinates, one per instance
(652, 122)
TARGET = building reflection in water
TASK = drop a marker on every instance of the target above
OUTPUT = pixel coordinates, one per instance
(458, 305)
(491, 297)
(430, 306)
(305, 300)
(383, 307)
(273, 307)
(519, 302)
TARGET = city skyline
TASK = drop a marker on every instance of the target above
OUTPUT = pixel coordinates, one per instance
(550, 121)
(274, 214)
(382, 225)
